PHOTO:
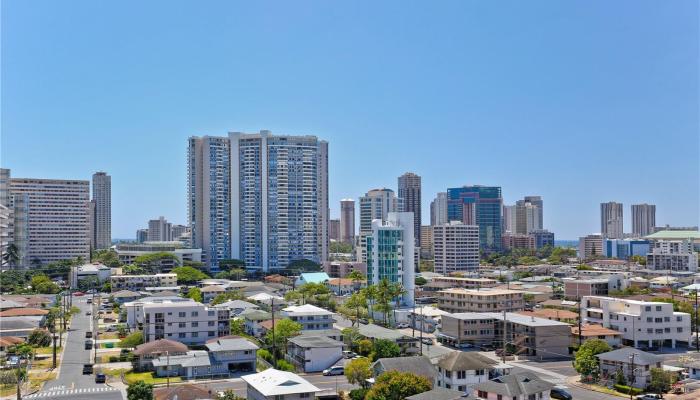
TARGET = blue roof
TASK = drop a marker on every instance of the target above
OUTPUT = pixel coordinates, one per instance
(314, 277)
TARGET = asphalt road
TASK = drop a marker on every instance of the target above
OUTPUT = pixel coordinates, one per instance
(70, 382)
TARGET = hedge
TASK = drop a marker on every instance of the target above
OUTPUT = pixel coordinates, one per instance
(626, 389)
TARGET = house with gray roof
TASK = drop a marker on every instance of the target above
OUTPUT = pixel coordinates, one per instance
(21, 326)
(191, 365)
(461, 370)
(232, 354)
(523, 386)
(236, 307)
(408, 344)
(314, 353)
(124, 296)
(628, 359)
(419, 365)
(438, 394)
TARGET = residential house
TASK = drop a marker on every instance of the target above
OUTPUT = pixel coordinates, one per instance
(141, 282)
(182, 392)
(191, 365)
(552, 314)
(145, 353)
(309, 316)
(419, 365)
(232, 354)
(125, 296)
(273, 384)
(426, 318)
(408, 344)
(311, 277)
(210, 292)
(344, 286)
(462, 370)
(523, 386)
(313, 353)
(630, 361)
(253, 318)
(333, 333)
(594, 331)
(20, 326)
(236, 307)
(438, 394)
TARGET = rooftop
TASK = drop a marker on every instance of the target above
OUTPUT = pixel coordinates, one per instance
(306, 309)
(674, 235)
(18, 312)
(623, 355)
(273, 382)
(419, 365)
(197, 358)
(594, 330)
(482, 292)
(160, 346)
(466, 361)
(378, 332)
(231, 344)
(515, 385)
(307, 341)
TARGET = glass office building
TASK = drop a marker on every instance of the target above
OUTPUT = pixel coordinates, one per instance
(483, 204)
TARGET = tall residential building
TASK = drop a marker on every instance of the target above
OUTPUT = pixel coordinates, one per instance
(5, 234)
(543, 238)
(17, 213)
(517, 241)
(478, 205)
(590, 246)
(625, 248)
(56, 218)
(376, 204)
(456, 247)
(438, 209)
(179, 231)
(391, 253)
(528, 215)
(160, 230)
(673, 255)
(410, 199)
(643, 219)
(141, 235)
(209, 197)
(347, 221)
(426, 241)
(102, 213)
(334, 230)
(509, 221)
(611, 220)
(259, 197)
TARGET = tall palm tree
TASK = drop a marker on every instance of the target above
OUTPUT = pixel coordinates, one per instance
(356, 301)
(371, 294)
(396, 290)
(11, 255)
(356, 277)
(384, 298)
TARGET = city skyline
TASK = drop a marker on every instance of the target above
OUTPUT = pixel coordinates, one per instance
(479, 86)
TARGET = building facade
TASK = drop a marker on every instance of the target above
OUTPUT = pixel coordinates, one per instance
(643, 219)
(334, 230)
(160, 230)
(191, 323)
(487, 300)
(482, 206)
(391, 253)
(673, 255)
(347, 221)
(409, 185)
(590, 247)
(438, 209)
(543, 238)
(625, 248)
(456, 247)
(518, 241)
(141, 282)
(528, 215)
(259, 197)
(611, 226)
(102, 214)
(426, 241)
(57, 224)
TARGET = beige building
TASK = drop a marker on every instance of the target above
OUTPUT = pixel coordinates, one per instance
(590, 246)
(140, 282)
(426, 241)
(517, 241)
(456, 247)
(487, 300)
(347, 221)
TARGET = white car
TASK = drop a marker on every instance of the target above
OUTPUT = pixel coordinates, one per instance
(649, 396)
(334, 370)
(402, 325)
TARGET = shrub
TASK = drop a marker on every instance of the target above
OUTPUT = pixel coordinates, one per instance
(265, 355)
(113, 358)
(285, 366)
(626, 389)
(358, 394)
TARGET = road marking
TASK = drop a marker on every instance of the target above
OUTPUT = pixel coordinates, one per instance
(53, 393)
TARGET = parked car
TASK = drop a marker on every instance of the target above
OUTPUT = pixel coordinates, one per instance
(363, 321)
(100, 378)
(88, 345)
(649, 396)
(560, 394)
(87, 369)
(465, 346)
(401, 325)
(427, 341)
(88, 313)
(88, 334)
(349, 354)
(89, 301)
(486, 347)
(334, 370)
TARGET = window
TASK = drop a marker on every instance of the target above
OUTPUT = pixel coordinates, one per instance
(279, 397)
(303, 395)
(210, 313)
(461, 374)
(181, 335)
(210, 323)
(181, 314)
(658, 308)
(211, 333)
(499, 397)
(195, 313)
(679, 329)
(195, 324)
(195, 334)
(679, 318)
(650, 319)
(647, 308)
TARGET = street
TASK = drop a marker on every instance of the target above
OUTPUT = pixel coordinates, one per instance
(70, 381)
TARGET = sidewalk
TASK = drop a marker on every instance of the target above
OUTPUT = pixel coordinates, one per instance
(576, 381)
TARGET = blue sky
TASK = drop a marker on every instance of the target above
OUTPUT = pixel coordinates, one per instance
(580, 102)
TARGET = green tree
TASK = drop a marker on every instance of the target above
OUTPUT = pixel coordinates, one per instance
(228, 296)
(229, 395)
(356, 303)
(641, 260)
(87, 283)
(364, 347)
(133, 269)
(237, 326)
(139, 391)
(284, 329)
(371, 294)
(108, 257)
(132, 340)
(195, 294)
(154, 262)
(42, 284)
(382, 348)
(358, 371)
(396, 290)
(11, 256)
(585, 360)
(396, 385)
(283, 365)
(39, 338)
(356, 277)
(228, 264)
(661, 380)
(340, 247)
(304, 265)
(189, 275)
(420, 281)
(528, 260)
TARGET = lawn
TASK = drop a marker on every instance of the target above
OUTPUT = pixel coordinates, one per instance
(109, 335)
(6, 390)
(45, 362)
(35, 380)
(147, 377)
(47, 350)
(114, 371)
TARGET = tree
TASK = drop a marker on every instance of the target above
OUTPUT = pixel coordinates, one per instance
(42, 284)
(382, 348)
(641, 260)
(661, 380)
(528, 260)
(11, 256)
(304, 265)
(108, 257)
(371, 293)
(356, 277)
(284, 329)
(139, 390)
(585, 360)
(237, 326)
(132, 340)
(396, 385)
(189, 275)
(230, 263)
(154, 262)
(356, 303)
(420, 281)
(228, 296)
(87, 283)
(358, 371)
(39, 338)
(133, 269)
(283, 365)
(364, 347)
(195, 294)
(229, 395)
(340, 247)
(396, 291)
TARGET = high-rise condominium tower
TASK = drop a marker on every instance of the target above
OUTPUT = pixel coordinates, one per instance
(347, 220)
(456, 247)
(261, 198)
(528, 215)
(438, 209)
(611, 220)
(478, 205)
(391, 253)
(160, 230)
(102, 213)
(643, 219)
(537, 202)
(376, 204)
(410, 199)
(334, 230)
(56, 219)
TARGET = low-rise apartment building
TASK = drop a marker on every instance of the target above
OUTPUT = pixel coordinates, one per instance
(309, 316)
(575, 288)
(314, 353)
(641, 323)
(341, 269)
(141, 282)
(486, 300)
(673, 255)
(191, 323)
(128, 252)
(631, 362)
(273, 384)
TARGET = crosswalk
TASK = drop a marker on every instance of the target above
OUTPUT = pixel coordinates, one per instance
(54, 393)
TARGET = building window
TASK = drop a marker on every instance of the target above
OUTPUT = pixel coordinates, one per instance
(195, 314)
(195, 334)
(679, 329)
(658, 308)
(181, 335)
(195, 324)
(181, 314)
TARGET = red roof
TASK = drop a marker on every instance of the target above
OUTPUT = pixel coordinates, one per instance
(23, 312)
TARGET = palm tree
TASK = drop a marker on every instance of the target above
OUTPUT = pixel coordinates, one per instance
(371, 294)
(356, 276)
(396, 290)
(384, 297)
(11, 255)
(356, 301)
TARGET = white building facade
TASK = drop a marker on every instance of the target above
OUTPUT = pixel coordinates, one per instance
(456, 247)
(191, 323)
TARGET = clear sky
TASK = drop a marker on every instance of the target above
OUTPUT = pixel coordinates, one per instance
(580, 102)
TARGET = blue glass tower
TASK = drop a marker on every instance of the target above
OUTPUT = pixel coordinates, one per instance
(486, 203)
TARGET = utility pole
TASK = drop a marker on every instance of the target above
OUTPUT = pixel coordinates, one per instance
(580, 332)
(96, 304)
(631, 377)
(413, 325)
(697, 339)
(19, 378)
(53, 336)
(421, 329)
(503, 354)
(167, 367)
(272, 309)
